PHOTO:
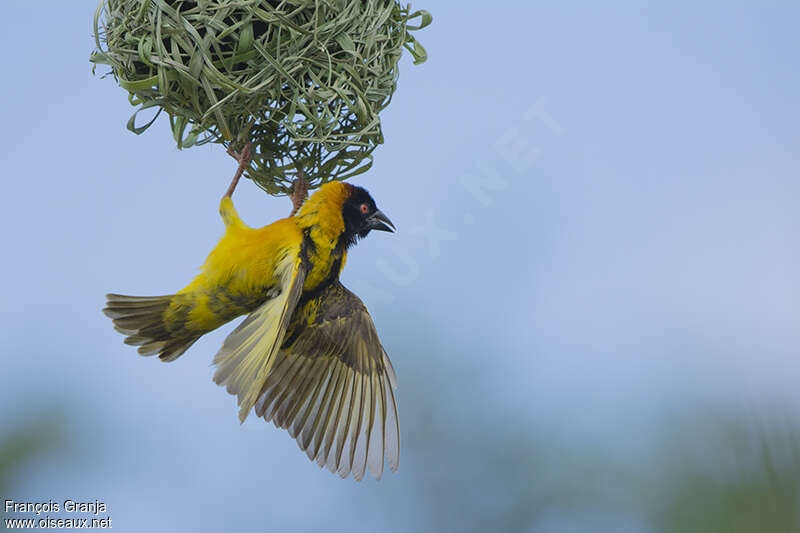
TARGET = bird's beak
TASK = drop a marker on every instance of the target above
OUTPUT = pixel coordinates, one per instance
(380, 222)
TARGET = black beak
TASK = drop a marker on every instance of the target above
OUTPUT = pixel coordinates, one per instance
(380, 222)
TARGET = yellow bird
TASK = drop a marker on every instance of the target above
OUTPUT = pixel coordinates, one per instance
(307, 357)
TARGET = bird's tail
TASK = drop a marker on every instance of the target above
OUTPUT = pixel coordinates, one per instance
(141, 320)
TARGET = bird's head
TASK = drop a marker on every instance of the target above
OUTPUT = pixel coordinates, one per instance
(344, 209)
(361, 215)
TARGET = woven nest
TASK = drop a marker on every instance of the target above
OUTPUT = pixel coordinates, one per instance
(304, 80)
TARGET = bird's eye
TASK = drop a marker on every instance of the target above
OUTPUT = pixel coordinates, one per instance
(364, 208)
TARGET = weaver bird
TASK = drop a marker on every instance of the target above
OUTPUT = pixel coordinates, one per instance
(307, 357)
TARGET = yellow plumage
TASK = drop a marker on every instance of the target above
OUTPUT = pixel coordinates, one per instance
(307, 357)
(237, 274)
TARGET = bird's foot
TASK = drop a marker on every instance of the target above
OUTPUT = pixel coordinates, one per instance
(244, 157)
(299, 192)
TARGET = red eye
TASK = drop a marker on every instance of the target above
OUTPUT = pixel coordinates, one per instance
(364, 208)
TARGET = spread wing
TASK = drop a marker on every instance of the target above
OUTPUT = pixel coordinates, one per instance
(249, 352)
(332, 386)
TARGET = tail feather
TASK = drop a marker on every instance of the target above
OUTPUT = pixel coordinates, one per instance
(141, 320)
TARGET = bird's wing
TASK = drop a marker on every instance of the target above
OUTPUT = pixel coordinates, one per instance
(248, 353)
(332, 386)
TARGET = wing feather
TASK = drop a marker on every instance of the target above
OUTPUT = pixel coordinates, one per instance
(311, 415)
(344, 422)
(248, 354)
(297, 411)
(392, 432)
(277, 385)
(350, 433)
(331, 424)
(323, 418)
(362, 446)
(376, 449)
(292, 388)
(332, 384)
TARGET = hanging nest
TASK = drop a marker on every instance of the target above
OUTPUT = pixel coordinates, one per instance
(303, 80)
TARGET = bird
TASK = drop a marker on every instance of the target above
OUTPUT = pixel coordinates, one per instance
(307, 356)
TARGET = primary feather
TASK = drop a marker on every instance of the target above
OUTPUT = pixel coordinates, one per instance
(307, 357)
(332, 336)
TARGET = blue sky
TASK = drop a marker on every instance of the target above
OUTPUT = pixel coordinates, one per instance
(596, 213)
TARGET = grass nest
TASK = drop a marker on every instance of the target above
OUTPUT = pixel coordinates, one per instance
(303, 80)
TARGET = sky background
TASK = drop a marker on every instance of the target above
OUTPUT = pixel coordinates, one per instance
(597, 236)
